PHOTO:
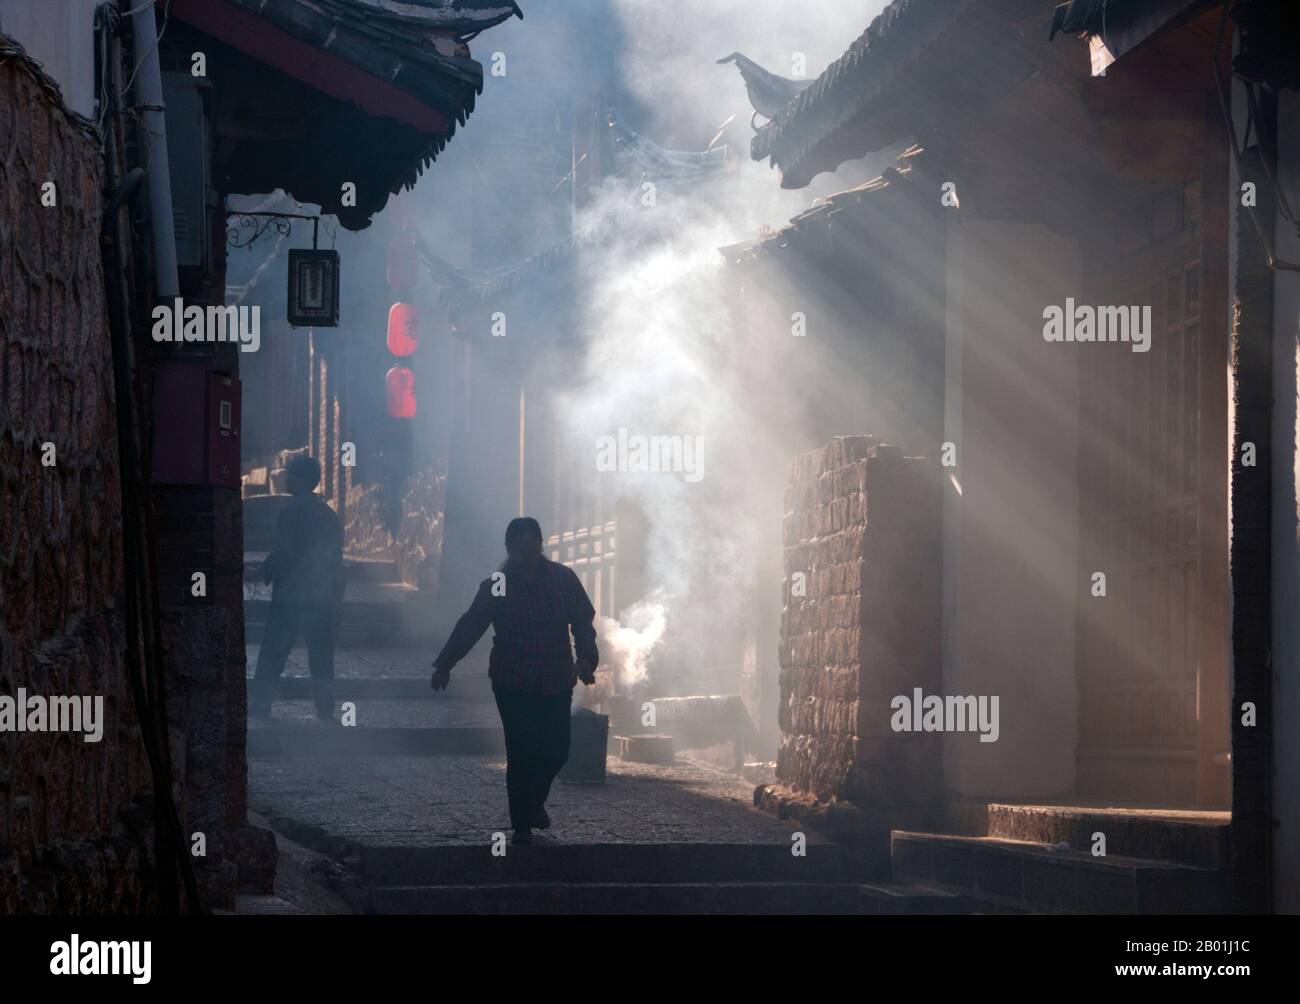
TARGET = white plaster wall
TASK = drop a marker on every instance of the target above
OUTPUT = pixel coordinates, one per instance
(1011, 532)
(60, 35)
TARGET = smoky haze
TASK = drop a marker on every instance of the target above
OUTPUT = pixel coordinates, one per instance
(665, 355)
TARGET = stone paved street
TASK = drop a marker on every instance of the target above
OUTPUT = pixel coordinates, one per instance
(387, 713)
(450, 800)
(361, 663)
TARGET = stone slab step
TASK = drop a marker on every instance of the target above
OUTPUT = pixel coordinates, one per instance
(371, 570)
(468, 689)
(622, 898)
(386, 662)
(646, 748)
(1192, 838)
(1035, 877)
(356, 569)
(364, 634)
(381, 712)
(911, 900)
(375, 611)
(638, 863)
(358, 741)
(372, 616)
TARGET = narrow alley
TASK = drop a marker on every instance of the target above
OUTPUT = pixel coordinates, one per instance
(558, 459)
(411, 800)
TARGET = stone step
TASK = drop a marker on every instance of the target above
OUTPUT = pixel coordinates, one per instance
(359, 570)
(622, 898)
(359, 741)
(1020, 875)
(644, 748)
(385, 633)
(639, 863)
(381, 712)
(911, 900)
(470, 688)
(372, 615)
(1197, 838)
(364, 636)
(386, 661)
(392, 613)
(371, 570)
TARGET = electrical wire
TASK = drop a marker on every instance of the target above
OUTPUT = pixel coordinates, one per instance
(156, 42)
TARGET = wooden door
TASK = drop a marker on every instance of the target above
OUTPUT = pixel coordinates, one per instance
(1150, 518)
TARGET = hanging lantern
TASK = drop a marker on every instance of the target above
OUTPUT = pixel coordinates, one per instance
(403, 329)
(402, 264)
(313, 299)
(399, 387)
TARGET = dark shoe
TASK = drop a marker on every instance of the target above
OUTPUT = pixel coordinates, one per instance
(541, 821)
(326, 716)
(260, 712)
(522, 837)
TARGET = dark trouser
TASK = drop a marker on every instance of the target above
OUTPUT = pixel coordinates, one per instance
(537, 744)
(284, 623)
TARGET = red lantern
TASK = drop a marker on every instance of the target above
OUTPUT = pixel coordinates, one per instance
(403, 329)
(399, 386)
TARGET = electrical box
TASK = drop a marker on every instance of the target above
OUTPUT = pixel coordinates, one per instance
(196, 415)
(185, 98)
(223, 430)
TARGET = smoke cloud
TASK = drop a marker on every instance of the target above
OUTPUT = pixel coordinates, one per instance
(665, 358)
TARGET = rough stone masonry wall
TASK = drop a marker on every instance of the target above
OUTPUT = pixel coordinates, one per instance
(862, 526)
(74, 823)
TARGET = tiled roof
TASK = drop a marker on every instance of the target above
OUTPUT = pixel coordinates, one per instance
(477, 292)
(465, 289)
(822, 210)
(1090, 16)
(458, 16)
(401, 69)
(768, 92)
(411, 45)
(796, 139)
(653, 161)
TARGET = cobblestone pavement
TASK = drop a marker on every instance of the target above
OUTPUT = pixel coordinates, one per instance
(430, 801)
(450, 800)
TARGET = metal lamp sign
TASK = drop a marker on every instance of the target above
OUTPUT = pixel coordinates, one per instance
(313, 288)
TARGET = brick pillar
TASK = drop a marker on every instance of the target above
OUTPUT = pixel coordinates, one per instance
(862, 540)
(200, 527)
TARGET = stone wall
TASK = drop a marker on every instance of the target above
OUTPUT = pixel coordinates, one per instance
(862, 545)
(75, 827)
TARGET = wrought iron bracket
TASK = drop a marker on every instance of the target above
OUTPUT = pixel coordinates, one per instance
(261, 223)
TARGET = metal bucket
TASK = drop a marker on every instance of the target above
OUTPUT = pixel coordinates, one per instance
(588, 745)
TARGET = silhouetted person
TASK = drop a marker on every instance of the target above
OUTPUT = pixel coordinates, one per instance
(306, 572)
(533, 604)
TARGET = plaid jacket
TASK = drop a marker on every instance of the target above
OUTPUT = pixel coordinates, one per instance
(531, 621)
